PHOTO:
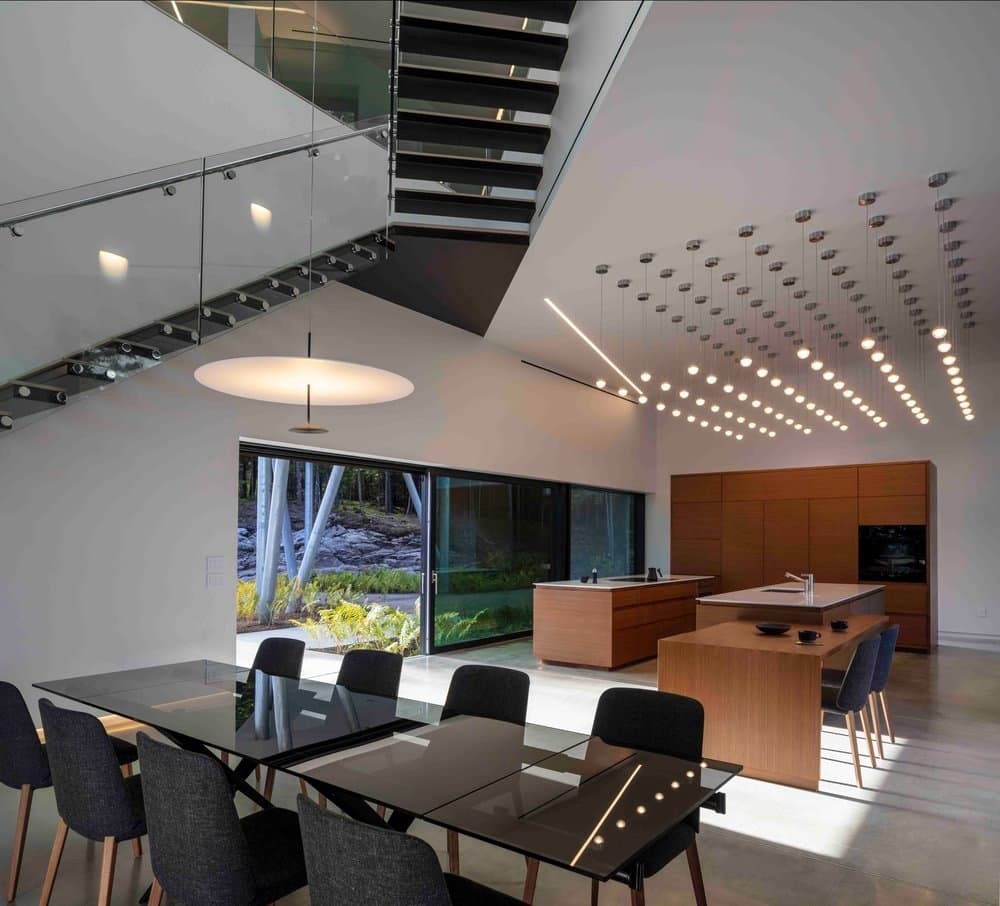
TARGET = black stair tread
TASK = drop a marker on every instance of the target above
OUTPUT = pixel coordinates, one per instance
(445, 231)
(545, 10)
(457, 204)
(473, 170)
(486, 44)
(451, 129)
(454, 86)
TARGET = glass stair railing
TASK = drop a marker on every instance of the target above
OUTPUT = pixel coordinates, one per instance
(129, 272)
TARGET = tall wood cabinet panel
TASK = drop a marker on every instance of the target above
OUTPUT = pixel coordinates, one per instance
(892, 479)
(892, 510)
(786, 538)
(696, 521)
(742, 544)
(833, 539)
(791, 484)
(696, 558)
(692, 488)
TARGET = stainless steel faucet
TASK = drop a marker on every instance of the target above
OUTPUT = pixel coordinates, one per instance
(808, 581)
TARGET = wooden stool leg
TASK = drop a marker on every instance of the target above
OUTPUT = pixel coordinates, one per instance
(854, 747)
(868, 734)
(876, 729)
(639, 897)
(322, 801)
(137, 847)
(126, 770)
(225, 758)
(108, 857)
(269, 784)
(697, 881)
(303, 789)
(453, 864)
(595, 891)
(62, 829)
(20, 833)
(530, 880)
(155, 894)
(885, 714)
(256, 774)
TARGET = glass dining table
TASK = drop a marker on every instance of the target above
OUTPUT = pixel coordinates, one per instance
(564, 798)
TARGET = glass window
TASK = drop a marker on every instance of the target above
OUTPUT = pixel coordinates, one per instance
(603, 532)
(493, 538)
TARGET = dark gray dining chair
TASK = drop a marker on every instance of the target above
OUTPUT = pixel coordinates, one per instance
(201, 851)
(497, 693)
(24, 766)
(350, 862)
(92, 797)
(275, 656)
(370, 672)
(667, 724)
(851, 697)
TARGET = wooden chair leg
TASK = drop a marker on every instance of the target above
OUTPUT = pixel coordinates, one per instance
(126, 770)
(530, 880)
(595, 891)
(269, 784)
(20, 833)
(380, 811)
(697, 881)
(885, 714)
(638, 896)
(854, 747)
(62, 829)
(225, 758)
(868, 734)
(876, 729)
(303, 789)
(137, 847)
(453, 863)
(155, 894)
(256, 774)
(322, 801)
(108, 857)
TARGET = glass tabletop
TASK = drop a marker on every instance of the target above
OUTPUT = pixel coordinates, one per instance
(592, 808)
(266, 718)
(422, 769)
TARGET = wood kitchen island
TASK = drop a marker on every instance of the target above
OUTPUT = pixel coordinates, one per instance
(761, 694)
(785, 602)
(614, 622)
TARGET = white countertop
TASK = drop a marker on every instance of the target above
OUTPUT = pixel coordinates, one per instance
(825, 594)
(611, 583)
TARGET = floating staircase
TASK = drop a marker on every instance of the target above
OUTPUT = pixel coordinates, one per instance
(474, 87)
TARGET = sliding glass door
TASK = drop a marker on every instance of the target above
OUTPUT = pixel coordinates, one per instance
(605, 532)
(492, 538)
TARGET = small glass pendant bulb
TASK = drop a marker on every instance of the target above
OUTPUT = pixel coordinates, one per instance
(803, 352)
(776, 381)
(665, 386)
(643, 399)
(939, 333)
(645, 376)
(944, 346)
(710, 379)
(878, 355)
(949, 360)
(816, 365)
(660, 407)
(746, 361)
(601, 383)
(622, 391)
(828, 375)
(868, 343)
(838, 385)
(728, 388)
(692, 369)
(762, 372)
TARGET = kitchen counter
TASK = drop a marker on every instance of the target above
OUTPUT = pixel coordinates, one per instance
(615, 582)
(830, 601)
(611, 624)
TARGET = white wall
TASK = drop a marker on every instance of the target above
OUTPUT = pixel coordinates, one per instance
(108, 87)
(112, 504)
(968, 489)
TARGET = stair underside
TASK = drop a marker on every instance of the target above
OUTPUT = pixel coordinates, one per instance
(459, 40)
(467, 170)
(458, 276)
(457, 204)
(456, 87)
(445, 129)
(546, 10)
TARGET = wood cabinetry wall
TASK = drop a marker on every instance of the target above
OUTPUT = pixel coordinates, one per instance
(749, 527)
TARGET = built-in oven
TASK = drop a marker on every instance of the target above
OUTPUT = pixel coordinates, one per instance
(892, 553)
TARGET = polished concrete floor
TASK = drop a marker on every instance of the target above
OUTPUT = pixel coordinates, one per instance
(924, 830)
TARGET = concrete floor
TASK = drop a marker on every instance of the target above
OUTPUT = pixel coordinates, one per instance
(925, 830)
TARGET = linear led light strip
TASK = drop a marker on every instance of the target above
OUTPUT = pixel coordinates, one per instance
(595, 347)
(614, 801)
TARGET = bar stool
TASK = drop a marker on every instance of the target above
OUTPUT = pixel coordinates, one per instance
(851, 697)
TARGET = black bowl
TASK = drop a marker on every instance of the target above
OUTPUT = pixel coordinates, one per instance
(839, 625)
(773, 628)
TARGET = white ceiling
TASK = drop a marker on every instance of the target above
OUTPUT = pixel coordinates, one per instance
(733, 113)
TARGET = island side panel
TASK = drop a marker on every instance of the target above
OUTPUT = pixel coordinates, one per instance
(643, 616)
(762, 709)
(573, 626)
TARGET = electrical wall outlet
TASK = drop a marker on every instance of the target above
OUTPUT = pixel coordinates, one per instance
(215, 564)
(214, 580)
